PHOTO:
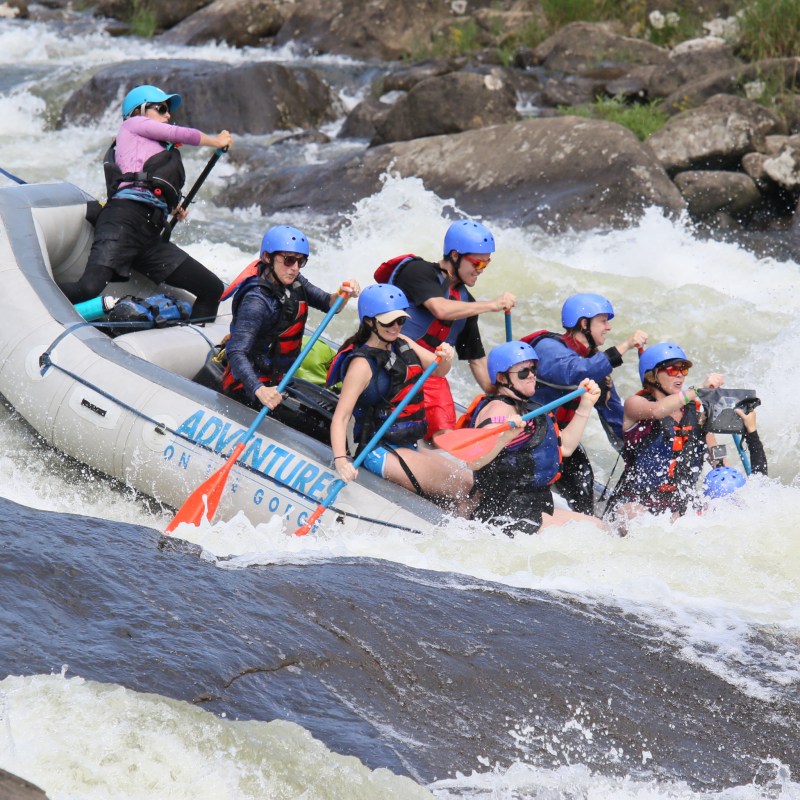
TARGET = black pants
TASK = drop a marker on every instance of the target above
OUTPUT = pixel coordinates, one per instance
(576, 484)
(128, 236)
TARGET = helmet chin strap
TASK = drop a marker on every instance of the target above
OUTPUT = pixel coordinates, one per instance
(516, 392)
(455, 263)
(589, 338)
(375, 328)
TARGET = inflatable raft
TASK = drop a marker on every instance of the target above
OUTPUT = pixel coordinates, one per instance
(129, 406)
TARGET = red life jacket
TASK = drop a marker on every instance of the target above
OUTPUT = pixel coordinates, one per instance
(286, 338)
(565, 413)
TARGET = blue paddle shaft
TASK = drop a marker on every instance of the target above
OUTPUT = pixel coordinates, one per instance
(337, 304)
(555, 404)
(375, 440)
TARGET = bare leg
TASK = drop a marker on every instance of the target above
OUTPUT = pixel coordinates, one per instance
(560, 517)
(437, 476)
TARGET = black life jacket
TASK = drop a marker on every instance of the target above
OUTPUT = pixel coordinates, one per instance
(394, 372)
(280, 346)
(162, 174)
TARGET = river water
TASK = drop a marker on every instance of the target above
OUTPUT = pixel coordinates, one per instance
(458, 663)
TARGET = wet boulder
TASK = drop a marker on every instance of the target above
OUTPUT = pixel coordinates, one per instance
(577, 48)
(166, 14)
(237, 22)
(14, 788)
(252, 98)
(363, 121)
(715, 135)
(708, 192)
(452, 103)
(560, 173)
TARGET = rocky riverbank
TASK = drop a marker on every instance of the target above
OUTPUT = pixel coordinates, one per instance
(508, 129)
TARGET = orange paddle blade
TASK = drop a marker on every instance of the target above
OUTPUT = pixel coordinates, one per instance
(310, 522)
(469, 444)
(204, 500)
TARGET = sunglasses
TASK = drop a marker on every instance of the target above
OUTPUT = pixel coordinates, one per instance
(673, 370)
(290, 261)
(479, 264)
(161, 108)
(524, 373)
(399, 321)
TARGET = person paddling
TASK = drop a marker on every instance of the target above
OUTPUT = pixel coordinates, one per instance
(443, 310)
(513, 481)
(271, 299)
(664, 437)
(565, 360)
(144, 180)
(377, 367)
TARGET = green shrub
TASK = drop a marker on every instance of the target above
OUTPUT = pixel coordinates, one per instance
(643, 119)
(770, 28)
(143, 19)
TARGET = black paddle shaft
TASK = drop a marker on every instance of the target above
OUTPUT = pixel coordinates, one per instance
(193, 191)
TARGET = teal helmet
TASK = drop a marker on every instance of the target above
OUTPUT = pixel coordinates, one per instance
(722, 481)
(148, 94)
(466, 236)
(506, 355)
(659, 354)
(284, 239)
(381, 300)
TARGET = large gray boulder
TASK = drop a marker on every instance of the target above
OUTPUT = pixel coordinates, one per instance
(14, 788)
(166, 14)
(561, 173)
(237, 22)
(713, 191)
(775, 73)
(717, 134)
(579, 46)
(692, 61)
(452, 103)
(253, 98)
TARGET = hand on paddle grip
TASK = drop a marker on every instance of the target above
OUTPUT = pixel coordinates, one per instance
(350, 288)
(592, 394)
(445, 352)
(269, 396)
(347, 472)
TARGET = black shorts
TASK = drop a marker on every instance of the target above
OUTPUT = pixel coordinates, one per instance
(517, 511)
(128, 235)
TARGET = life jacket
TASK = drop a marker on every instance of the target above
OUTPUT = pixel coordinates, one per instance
(284, 341)
(162, 174)
(250, 271)
(394, 372)
(423, 327)
(156, 311)
(566, 412)
(533, 458)
(663, 455)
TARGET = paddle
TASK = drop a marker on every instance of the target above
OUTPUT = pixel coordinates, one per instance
(204, 500)
(509, 336)
(737, 440)
(469, 444)
(337, 485)
(193, 191)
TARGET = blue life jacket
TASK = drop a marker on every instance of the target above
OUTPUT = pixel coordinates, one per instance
(533, 459)
(394, 372)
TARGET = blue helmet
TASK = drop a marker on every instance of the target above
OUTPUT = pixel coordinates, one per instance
(658, 354)
(506, 355)
(284, 239)
(466, 236)
(579, 306)
(148, 94)
(380, 299)
(722, 481)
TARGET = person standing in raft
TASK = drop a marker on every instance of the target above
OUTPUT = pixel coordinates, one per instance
(144, 180)
(443, 310)
(378, 366)
(664, 437)
(513, 480)
(565, 359)
(270, 307)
